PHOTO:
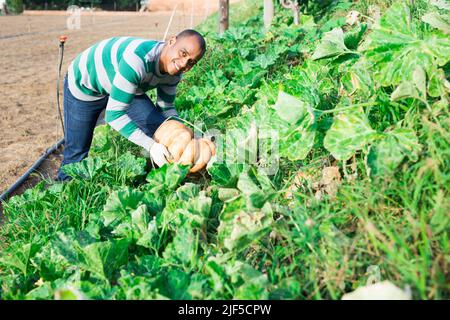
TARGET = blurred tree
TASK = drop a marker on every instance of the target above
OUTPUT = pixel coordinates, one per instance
(15, 6)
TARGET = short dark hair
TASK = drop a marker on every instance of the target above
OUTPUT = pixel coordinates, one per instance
(193, 33)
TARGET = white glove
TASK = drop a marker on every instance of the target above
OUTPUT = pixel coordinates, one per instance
(159, 154)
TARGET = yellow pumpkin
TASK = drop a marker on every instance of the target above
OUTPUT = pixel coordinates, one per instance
(178, 145)
(185, 150)
(203, 156)
(167, 131)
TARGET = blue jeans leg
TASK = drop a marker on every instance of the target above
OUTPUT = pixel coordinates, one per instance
(80, 118)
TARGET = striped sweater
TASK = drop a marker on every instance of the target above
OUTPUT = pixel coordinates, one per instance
(123, 67)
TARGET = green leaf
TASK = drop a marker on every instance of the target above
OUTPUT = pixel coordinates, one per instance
(166, 179)
(101, 141)
(307, 22)
(297, 134)
(225, 174)
(19, 256)
(349, 133)
(331, 45)
(298, 142)
(86, 169)
(353, 38)
(184, 247)
(255, 284)
(187, 191)
(103, 258)
(174, 284)
(119, 205)
(265, 60)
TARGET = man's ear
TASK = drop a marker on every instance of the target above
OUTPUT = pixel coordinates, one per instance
(172, 40)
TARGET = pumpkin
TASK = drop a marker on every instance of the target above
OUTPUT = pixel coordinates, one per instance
(203, 156)
(179, 144)
(211, 146)
(185, 150)
(190, 153)
(167, 130)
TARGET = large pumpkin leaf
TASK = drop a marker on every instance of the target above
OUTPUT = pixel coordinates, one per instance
(349, 133)
(290, 108)
(103, 258)
(166, 179)
(332, 45)
(86, 169)
(240, 227)
(397, 46)
(119, 206)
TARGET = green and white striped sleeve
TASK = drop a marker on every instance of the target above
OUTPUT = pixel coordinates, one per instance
(130, 71)
(165, 98)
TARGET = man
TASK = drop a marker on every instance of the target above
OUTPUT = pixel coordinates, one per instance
(115, 74)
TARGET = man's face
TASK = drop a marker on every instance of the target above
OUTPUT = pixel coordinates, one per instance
(180, 55)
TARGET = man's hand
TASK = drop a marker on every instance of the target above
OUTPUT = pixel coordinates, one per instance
(159, 154)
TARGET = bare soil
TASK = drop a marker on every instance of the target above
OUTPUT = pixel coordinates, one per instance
(29, 53)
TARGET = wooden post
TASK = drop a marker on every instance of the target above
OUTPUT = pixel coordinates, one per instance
(268, 13)
(294, 6)
(224, 13)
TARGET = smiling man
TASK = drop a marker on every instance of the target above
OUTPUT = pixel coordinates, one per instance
(115, 74)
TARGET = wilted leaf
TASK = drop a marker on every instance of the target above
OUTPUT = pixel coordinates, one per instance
(404, 90)
(238, 227)
(441, 4)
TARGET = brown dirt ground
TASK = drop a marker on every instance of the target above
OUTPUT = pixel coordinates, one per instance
(28, 70)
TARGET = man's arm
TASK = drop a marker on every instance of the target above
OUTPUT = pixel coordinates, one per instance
(165, 98)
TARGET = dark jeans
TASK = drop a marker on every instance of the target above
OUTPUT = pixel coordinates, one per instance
(80, 118)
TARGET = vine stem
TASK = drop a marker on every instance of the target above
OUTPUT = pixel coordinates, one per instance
(185, 121)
